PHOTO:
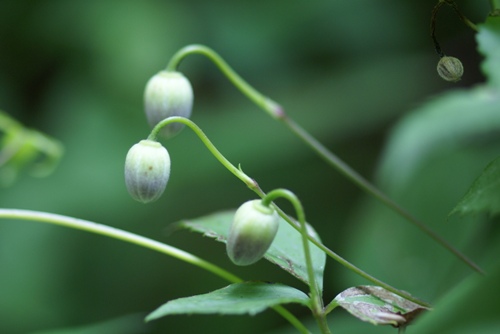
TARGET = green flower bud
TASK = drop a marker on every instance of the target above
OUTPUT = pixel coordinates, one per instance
(450, 69)
(147, 169)
(168, 94)
(252, 232)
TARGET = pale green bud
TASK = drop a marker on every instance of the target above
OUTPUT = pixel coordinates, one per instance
(168, 94)
(252, 232)
(147, 169)
(450, 69)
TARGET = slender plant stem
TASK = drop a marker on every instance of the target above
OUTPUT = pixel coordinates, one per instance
(343, 261)
(317, 301)
(277, 112)
(265, 103)
(457, 10)
(111, 232)
(330, 307)
(118, 234)
(253, 185)
(462, 17)
(361, 182)
(211, 147)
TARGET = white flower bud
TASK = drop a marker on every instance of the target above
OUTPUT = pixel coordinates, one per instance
(147, 169)
(252, 232)
(168, 94)
(450, 69)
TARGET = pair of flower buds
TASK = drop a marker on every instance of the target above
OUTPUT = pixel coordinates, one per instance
(147, 169)
(147, 165)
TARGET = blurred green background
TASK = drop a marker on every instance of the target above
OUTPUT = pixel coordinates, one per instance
(346, 70)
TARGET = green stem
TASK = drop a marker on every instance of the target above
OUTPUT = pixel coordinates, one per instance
(343, 261)
(330, 307)
(88, 226)
(462, 17)
(265, 103)
(118, 234)
(317, 302)
(277, 112)
(252, 184)
(176, 119)
(365, 185)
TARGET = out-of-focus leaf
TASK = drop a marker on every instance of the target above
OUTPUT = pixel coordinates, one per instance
(469, 307)
(129, 324)
(240, 298)
(488, 39)
(442, 124)
(378, 306)
(286, 250)
(21, 148)
(484, 194)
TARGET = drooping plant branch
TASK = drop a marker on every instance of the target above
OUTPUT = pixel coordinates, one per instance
(253, 185)
(277, 112)
(114, 233)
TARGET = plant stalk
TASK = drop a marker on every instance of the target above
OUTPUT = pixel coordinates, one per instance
(277, 112)
(253, 185)
(317, 301)
(114, 233)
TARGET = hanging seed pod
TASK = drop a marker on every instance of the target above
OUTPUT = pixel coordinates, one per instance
(252, 232)
(147, 170)
(450, 69)
(168, 94)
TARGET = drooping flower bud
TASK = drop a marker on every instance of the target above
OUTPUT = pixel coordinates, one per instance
(168, 94)
(147, 169)
(252, 232)
(450, 69)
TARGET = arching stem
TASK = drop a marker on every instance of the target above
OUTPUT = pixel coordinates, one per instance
(252, 184)
(114, 233)
(317, 301)
(277, 112)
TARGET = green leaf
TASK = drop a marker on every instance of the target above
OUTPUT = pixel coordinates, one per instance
(470, 306)
(488, 40)
(239, 298)
(286, 250)
(484, 194)
(446, 123)
(378, 306)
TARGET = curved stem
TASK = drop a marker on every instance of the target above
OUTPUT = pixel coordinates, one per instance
(211, 147)
(268, 105)
(365, 185)
(252, 184)
(277, 112)
(462, 17)
(343, 261)
(84, 225)
(317, 302)
(118, 234)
